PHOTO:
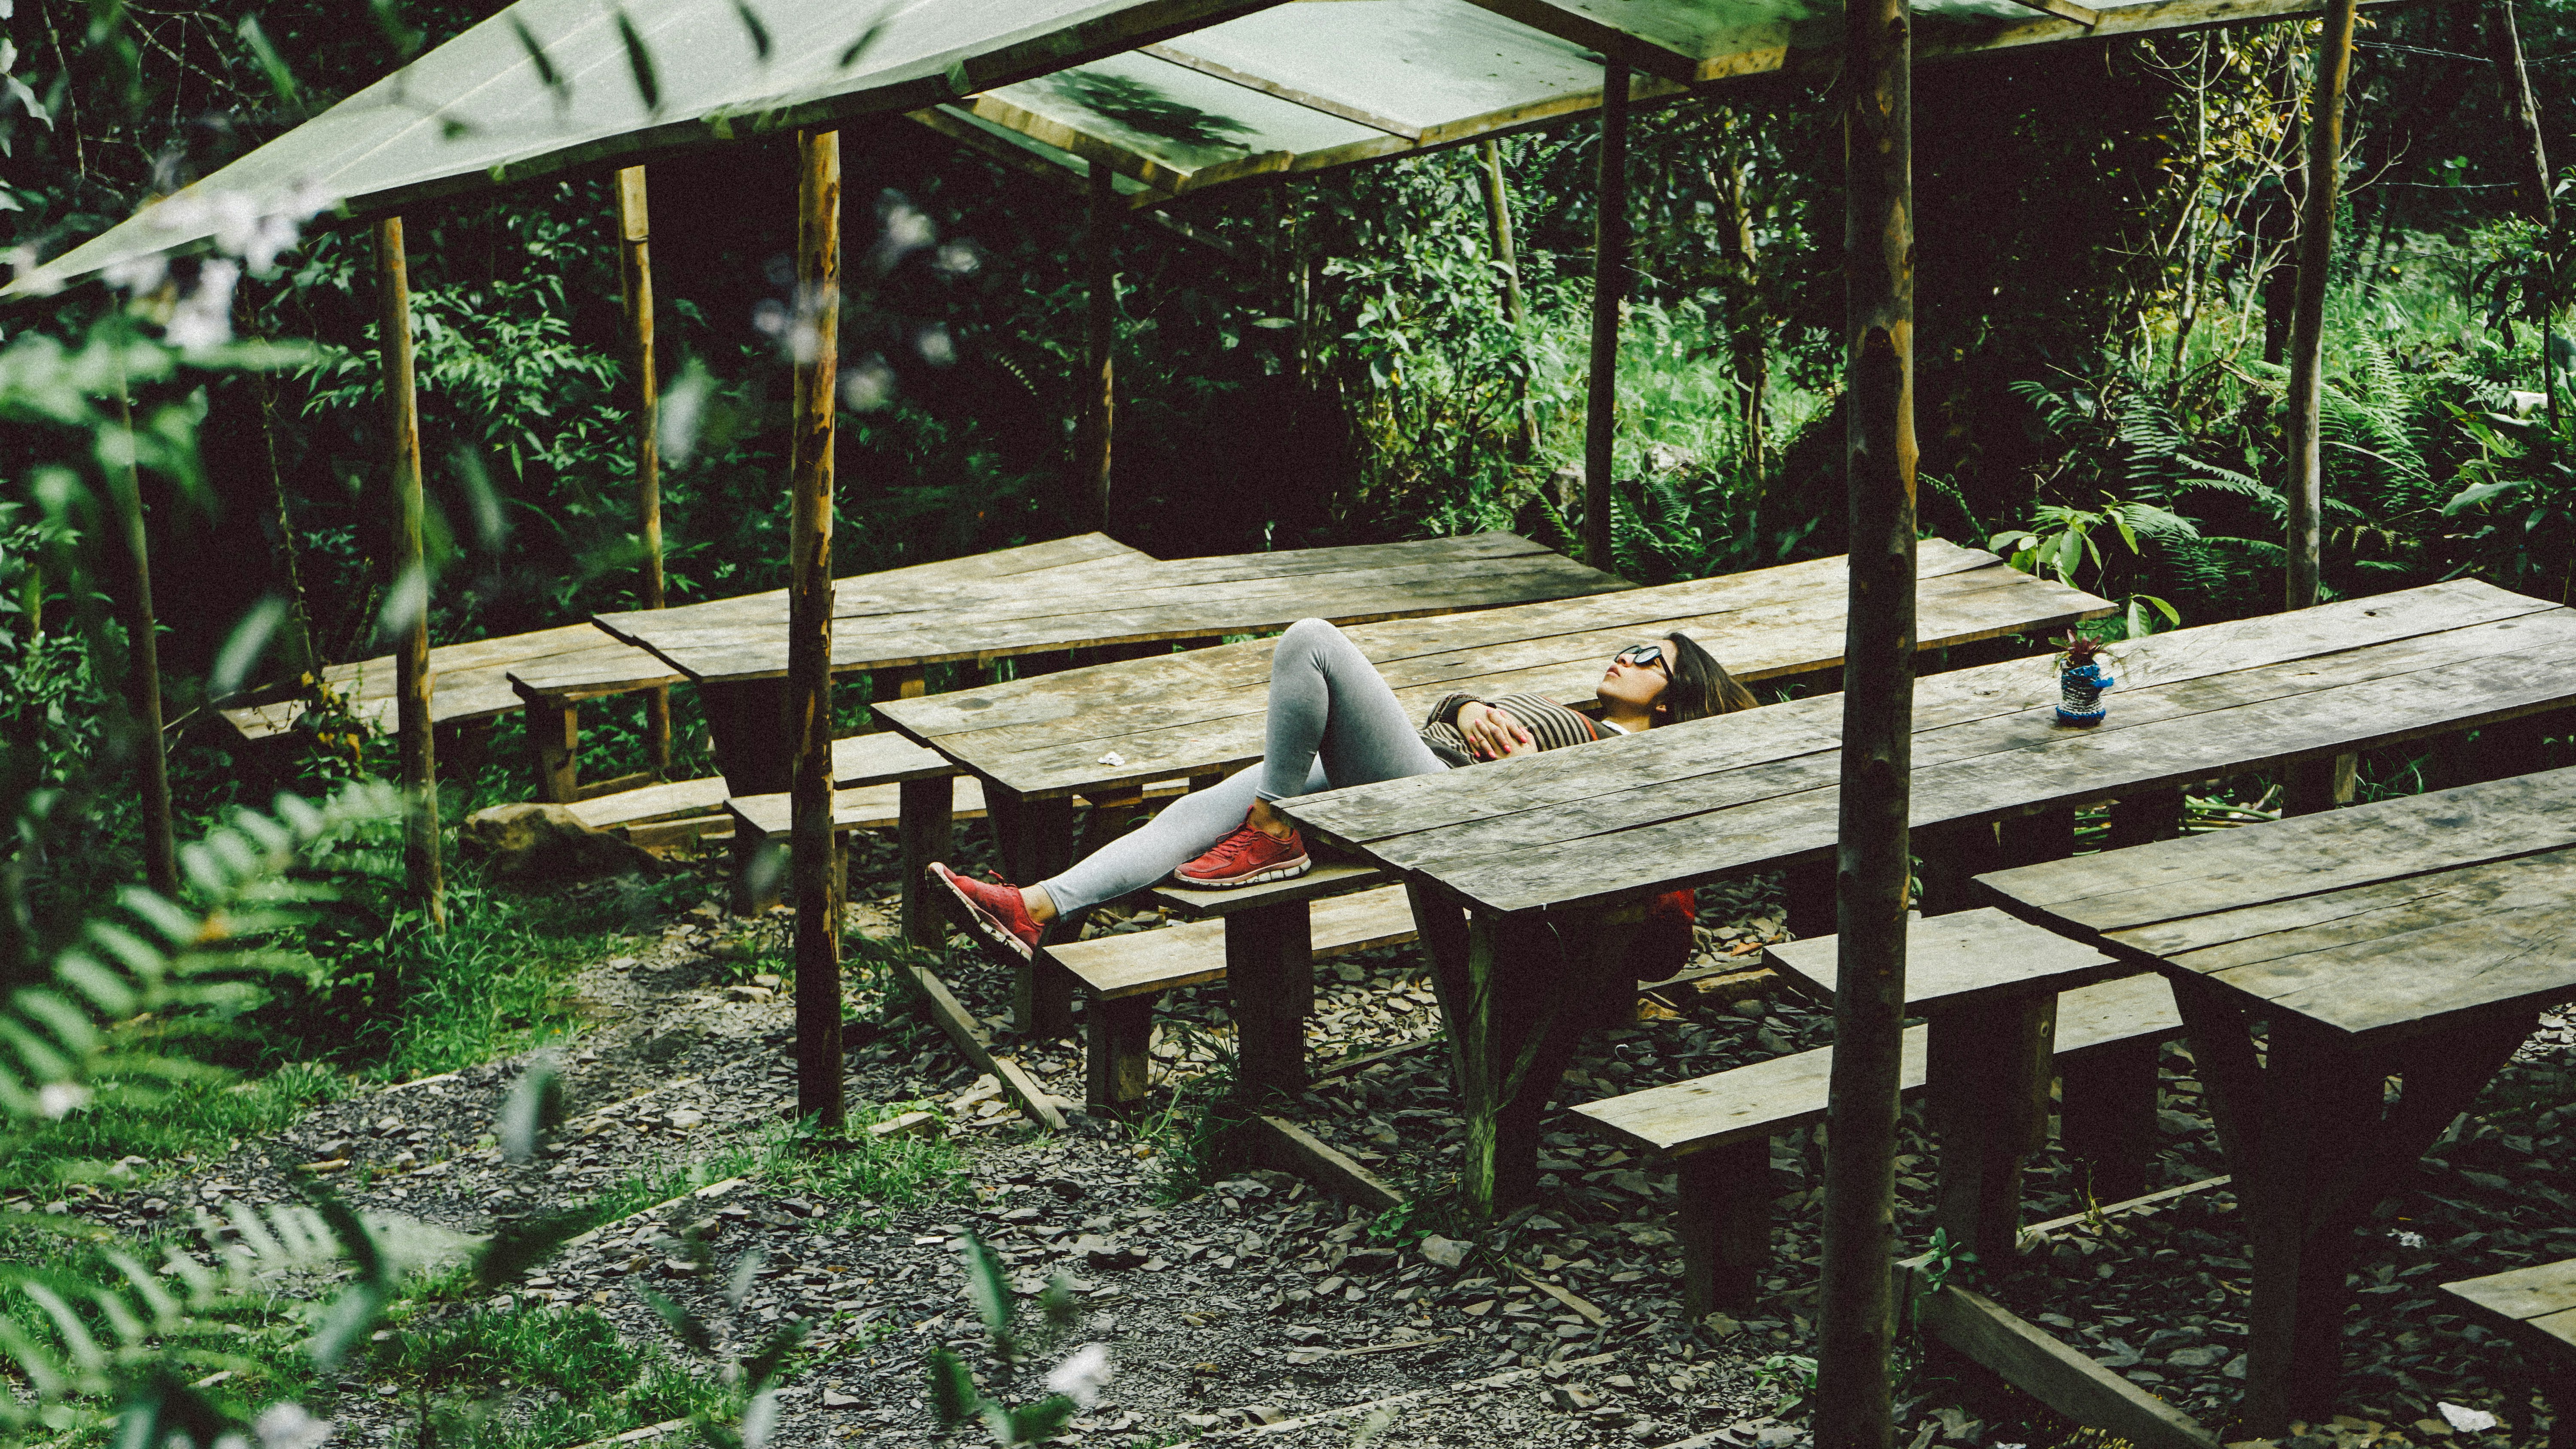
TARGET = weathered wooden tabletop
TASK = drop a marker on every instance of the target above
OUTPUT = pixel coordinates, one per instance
(472, 680)
(1185, 714)
(905, 618)
(2416, 937)
(1636, 816)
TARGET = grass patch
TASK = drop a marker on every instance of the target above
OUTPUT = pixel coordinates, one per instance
(165, 1124)
(533, 1378)
(863, 1173)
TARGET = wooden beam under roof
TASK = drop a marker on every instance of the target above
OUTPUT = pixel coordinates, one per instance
(1291, 94)
(1636, 52)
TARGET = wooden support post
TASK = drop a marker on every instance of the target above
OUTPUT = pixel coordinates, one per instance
(636, 271)
(1989, 1068)
(410, 580)
(2531, 190)
(1270, 973)
(1036, 838)
(926, 811)
(1117, 1056)
(1809, 907)
(1097, 421)
(1856, 1319)
(1609, 289)
(2107, 1115)
(142, 665)
(2313, 786)
(554, 748)
(1725, 1225)
(2320, 1102)
(815, 858)
(1498, 216)
(2308, 321)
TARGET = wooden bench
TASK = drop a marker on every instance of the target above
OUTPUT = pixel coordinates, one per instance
(1717, 1129)
(2535, 1307)
(1123, 976)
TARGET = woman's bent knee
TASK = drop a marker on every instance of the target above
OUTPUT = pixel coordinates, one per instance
(1308, 633)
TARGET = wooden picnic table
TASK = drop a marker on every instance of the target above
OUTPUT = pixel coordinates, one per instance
(553, 685)
(1111, 727)
(736, 650)
(1527, 873)
(2415, 937)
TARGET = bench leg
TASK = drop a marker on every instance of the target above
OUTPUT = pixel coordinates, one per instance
(1270, 971)
(1988, 1070)
(1118, 1037)
(923, 830)
(2107, 1115)
(2561, 1393)
(657, 731)
(554, 750)
(1725, 1224)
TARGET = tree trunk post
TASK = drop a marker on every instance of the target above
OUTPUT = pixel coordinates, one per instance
(636, 271)
(410, 570)
(1609, 287)
(1498, 215)
(1857, 1318)
(142, 665)
(815, 861)
(1099, 391)
(2308, 322)
(2522, 109)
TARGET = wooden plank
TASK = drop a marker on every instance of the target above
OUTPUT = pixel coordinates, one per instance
(875, 807)
(884, 759)
(970, 1038)
(1678, 1118)
(1136, 963)
(1962, 961)
(1284, 1145)
(2033, 1360)
(651, 802)
(1326, 878)
(2521, 1294)
(2144, 1202)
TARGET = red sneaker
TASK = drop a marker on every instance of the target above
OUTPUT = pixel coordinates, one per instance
(991, 911)
(1246, 857)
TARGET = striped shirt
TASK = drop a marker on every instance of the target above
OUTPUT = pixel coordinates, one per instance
(1551, 725)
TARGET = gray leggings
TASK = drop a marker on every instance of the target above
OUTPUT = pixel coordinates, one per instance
(1332, 722)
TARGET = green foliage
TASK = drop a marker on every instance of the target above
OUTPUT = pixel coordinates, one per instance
(955, 1395)
(568, 1376)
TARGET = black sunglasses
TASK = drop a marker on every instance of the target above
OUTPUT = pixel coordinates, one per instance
(1643, 656)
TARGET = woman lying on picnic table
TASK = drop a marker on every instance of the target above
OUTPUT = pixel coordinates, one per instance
(1334, 721)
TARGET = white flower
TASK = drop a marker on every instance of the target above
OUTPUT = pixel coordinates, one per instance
(957, 259)
(2466, 1421)
(136, 274)
(204, 318)
(1080, 1376)
(760, 1418)
(61, 1099)
(287, 1426)
(866, 387)
(935, 345)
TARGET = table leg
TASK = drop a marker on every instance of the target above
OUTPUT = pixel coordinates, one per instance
(1270, 973)
(747, 719)
(2031, 839)
(1442, 928)
(927, 811)
(1988, 1070)
(2321, 1099)
(554, 749)
(2146, 817)
(1809, 886)
(1036, 836)
(1514, 1029)
(908, 682)
(2107, 1115)
(1725, 1225)
(1952, 856)
(1118, 1037)
(2313, 786)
